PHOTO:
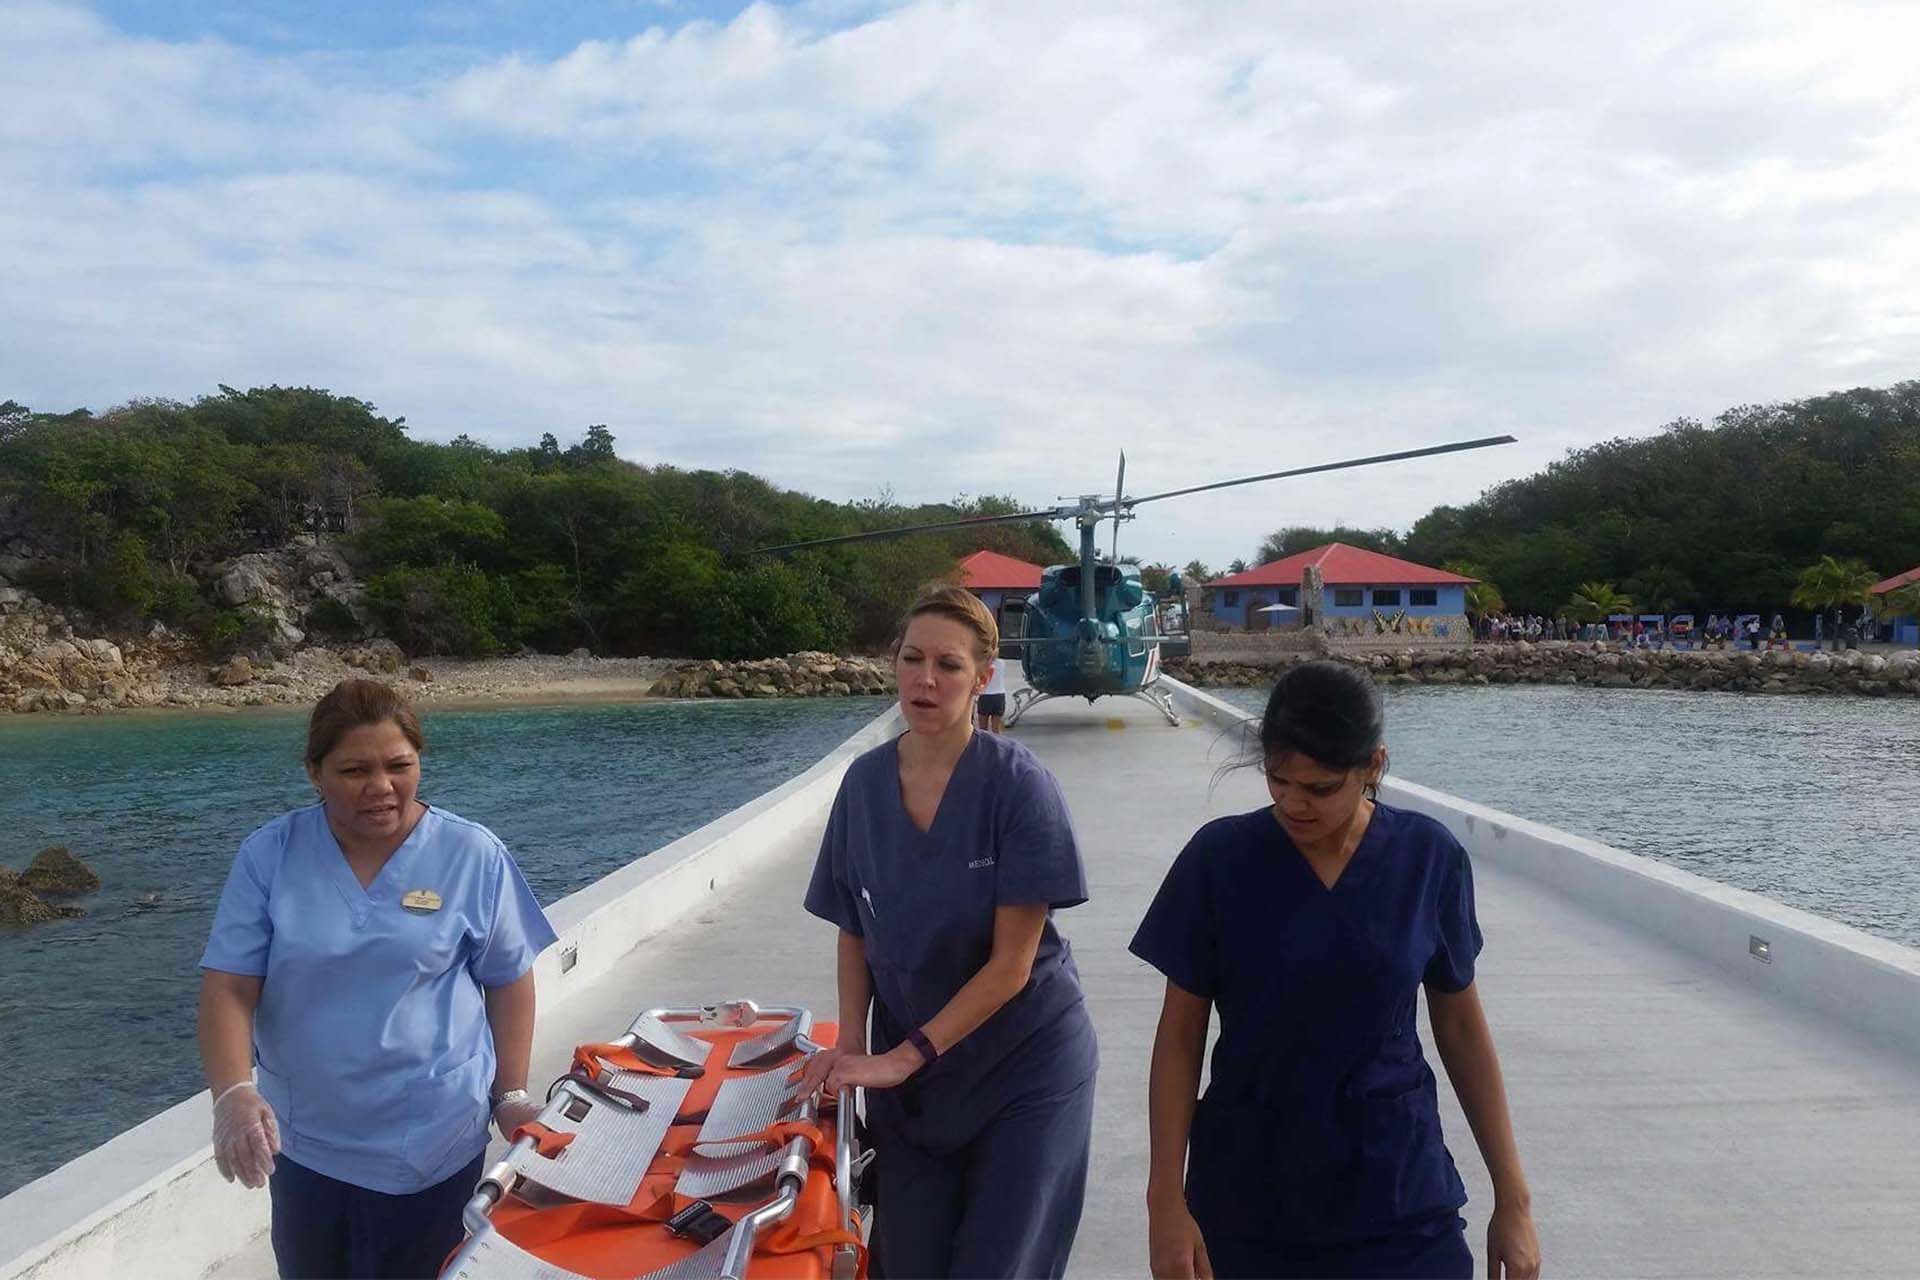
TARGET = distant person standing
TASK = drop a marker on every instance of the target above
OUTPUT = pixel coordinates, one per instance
(1753, 632)
(992, 707)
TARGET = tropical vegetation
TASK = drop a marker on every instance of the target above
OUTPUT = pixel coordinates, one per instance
(1831, 583)
(1721, 516)
(465, 549)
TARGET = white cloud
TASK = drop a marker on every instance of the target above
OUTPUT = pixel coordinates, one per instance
(978, 247)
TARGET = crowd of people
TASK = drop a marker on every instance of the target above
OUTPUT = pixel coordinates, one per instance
(1728, 631)
(368, 1001)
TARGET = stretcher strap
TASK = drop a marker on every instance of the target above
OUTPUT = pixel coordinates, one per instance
(552, 1225)
(774, 1135)
(546, 1142)
(799, 1233)
(593, 1058)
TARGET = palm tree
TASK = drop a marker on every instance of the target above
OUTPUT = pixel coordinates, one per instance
(1596, 602)
(1902, 603)
(1483, 597)
(1832, 584)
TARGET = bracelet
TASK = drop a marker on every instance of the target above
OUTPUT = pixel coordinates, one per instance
(918, 1039)
(510, 1095)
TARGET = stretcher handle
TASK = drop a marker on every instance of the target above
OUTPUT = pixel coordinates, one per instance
(501, 1178)
(748, 1229)
(726, 1013)
(843, 1152)
(799, 1153)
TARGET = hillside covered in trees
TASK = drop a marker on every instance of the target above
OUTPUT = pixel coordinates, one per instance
(1698, 516)
(463, 549)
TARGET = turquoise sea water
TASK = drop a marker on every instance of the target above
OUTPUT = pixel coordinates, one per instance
(96, 1014)
(1814, 802)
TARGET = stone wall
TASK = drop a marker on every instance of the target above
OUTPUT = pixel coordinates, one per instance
(1779, 671)
(1270, 646)
(799, 675)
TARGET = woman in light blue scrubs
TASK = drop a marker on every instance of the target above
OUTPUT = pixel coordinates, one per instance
(372, 960)
(946, 853)
(1312, 925)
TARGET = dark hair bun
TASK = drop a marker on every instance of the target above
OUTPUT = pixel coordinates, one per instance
(1327, 711)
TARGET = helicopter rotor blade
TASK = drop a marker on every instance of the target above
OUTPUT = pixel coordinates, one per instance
(1458, 446)
(1119, 491)
(970, 522)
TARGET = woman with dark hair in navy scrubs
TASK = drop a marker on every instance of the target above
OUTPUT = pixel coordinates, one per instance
(1313, 924)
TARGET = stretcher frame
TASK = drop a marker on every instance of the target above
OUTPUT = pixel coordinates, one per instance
(653, 1037)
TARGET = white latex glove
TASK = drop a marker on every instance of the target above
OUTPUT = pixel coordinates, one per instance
(514, 1112)
(246, 1137)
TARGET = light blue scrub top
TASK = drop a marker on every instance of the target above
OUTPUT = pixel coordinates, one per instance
(371, 1034)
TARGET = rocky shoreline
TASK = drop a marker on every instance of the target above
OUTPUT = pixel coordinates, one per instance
(1775, 671)
(85, 676)
(52, 662)
(799, 675)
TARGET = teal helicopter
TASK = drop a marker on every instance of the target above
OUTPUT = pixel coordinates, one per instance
(1092, 630)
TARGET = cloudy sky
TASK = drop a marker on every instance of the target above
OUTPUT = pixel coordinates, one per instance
(943, 248)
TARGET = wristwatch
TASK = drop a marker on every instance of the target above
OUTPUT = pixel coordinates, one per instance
(511, 1095)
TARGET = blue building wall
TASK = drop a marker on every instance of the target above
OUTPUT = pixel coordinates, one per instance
(1906, 631)
(1449, 601)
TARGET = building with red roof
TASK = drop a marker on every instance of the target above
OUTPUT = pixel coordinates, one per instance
(998, 579)
(1906, 630)
(1357, 584)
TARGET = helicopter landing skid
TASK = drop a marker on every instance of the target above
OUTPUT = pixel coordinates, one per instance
(1027, 698)
(1024, 698)
(1154, 695)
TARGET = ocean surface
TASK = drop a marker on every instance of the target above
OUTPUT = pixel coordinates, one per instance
(97, 1014)
(1814, 802)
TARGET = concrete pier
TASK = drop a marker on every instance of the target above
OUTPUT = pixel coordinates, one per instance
(1675, 1120)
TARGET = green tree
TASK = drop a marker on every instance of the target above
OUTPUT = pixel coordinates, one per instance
(1829, 584)
(1297, 538)
(449, 609)
(1596, 602)
(131, 588)
(1483, 597)
(1660, 587)
(430, 531)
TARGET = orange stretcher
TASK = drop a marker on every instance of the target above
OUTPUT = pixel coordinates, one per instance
(684, 1149)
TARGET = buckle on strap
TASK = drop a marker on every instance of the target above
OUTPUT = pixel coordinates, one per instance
(699, 1222)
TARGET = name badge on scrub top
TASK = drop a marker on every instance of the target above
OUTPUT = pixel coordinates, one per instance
(421, 901)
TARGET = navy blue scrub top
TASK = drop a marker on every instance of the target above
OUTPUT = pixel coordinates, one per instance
(1321, 1121)
(924, 902)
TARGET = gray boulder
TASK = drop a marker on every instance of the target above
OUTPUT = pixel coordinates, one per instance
(55, 870)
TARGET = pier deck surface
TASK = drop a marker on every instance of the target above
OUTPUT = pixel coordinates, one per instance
(1672, 1122)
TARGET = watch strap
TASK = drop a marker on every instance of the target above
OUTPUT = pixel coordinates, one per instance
(918, 1039)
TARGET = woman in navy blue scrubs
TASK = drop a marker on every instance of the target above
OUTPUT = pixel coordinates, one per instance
(1312, 925)
(367, 986)
(945, 855)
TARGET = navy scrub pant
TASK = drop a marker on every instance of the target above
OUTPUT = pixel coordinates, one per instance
(1005, 1202)
(1434, 1251)
(323, 1227)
